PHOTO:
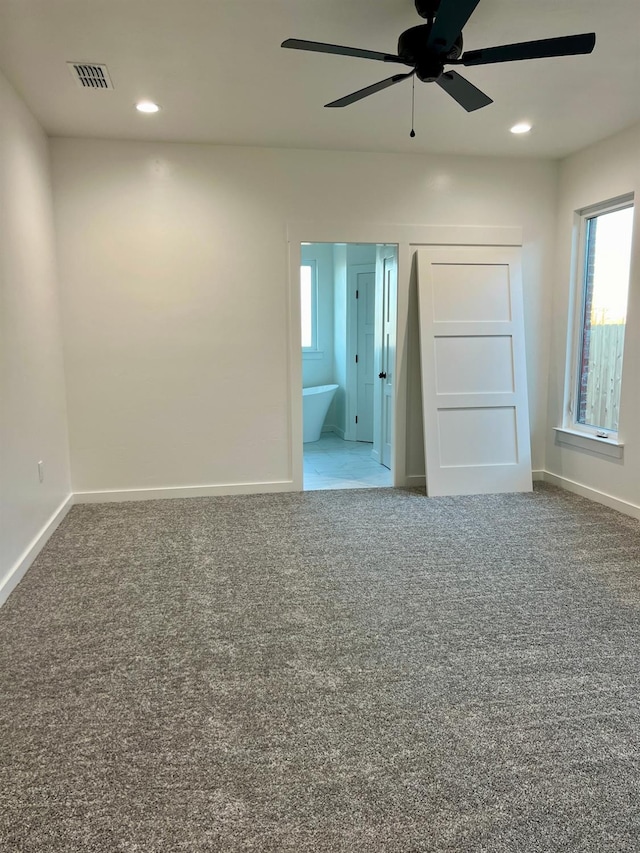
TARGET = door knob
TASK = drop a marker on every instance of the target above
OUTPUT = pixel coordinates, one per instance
(382, 376)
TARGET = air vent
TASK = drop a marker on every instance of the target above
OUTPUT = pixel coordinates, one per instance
(88, 75)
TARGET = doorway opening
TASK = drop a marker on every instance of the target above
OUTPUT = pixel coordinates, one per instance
(348, 300)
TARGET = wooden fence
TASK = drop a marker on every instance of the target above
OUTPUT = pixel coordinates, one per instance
(602, 404)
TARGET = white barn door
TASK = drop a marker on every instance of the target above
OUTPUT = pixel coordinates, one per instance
(474, 386)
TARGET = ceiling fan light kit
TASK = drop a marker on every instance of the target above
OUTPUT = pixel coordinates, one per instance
(429, 48)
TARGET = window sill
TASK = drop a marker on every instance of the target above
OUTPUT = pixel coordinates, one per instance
(312, 353)
(609, 447)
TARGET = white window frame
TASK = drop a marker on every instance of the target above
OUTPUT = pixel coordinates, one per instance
(313, 349)
(572, 432)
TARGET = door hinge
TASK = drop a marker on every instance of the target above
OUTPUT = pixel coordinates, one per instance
(357, 294)
(356, 358)
(356, 419)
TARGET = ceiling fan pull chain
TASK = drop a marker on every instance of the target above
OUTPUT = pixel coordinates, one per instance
(413, 105)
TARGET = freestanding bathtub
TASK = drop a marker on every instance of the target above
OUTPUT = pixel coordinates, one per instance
(315, 405)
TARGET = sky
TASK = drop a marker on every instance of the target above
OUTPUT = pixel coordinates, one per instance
(612, 262)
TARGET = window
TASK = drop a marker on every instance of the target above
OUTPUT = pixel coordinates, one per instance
(603, 279)
(309, 306)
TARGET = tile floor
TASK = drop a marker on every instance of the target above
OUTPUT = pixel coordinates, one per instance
(332, 463)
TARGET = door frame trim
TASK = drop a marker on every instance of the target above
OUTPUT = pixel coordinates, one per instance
(408, 238)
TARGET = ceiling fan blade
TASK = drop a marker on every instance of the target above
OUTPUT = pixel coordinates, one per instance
(322, 47)
(369, 90)
(451, 17)
(563, 46)
(464, 92)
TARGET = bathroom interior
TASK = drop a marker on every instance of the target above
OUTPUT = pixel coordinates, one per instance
(348, 294)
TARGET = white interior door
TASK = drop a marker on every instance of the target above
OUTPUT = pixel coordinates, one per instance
(365, 368)
(388, 353)
(474, 389)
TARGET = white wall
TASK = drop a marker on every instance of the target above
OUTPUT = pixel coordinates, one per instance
(317, 368)
(174, 272)
(33, 421)
(361, 253)
(601, 172)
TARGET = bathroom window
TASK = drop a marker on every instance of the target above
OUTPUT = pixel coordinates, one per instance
(601, 308)
(309, 306)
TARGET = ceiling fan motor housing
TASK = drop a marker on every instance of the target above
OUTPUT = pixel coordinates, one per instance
(429, 65)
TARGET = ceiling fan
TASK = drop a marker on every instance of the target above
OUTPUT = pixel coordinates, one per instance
(429, 47)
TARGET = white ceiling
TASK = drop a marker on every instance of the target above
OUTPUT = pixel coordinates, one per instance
(218, 71)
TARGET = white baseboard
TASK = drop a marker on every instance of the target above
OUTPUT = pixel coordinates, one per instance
(415, 481)
(538, 476)
(592, 494)
(152, 494)
(19, 569)
(335, 430)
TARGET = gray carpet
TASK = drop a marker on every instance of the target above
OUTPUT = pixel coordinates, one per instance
(327, 671)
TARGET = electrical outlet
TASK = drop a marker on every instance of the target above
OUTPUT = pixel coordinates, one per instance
(41, 471)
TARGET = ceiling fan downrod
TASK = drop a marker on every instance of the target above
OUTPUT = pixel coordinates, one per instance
(427, 8)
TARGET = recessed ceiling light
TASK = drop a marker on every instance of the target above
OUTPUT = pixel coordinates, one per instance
(147, 107)
(522, 127)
